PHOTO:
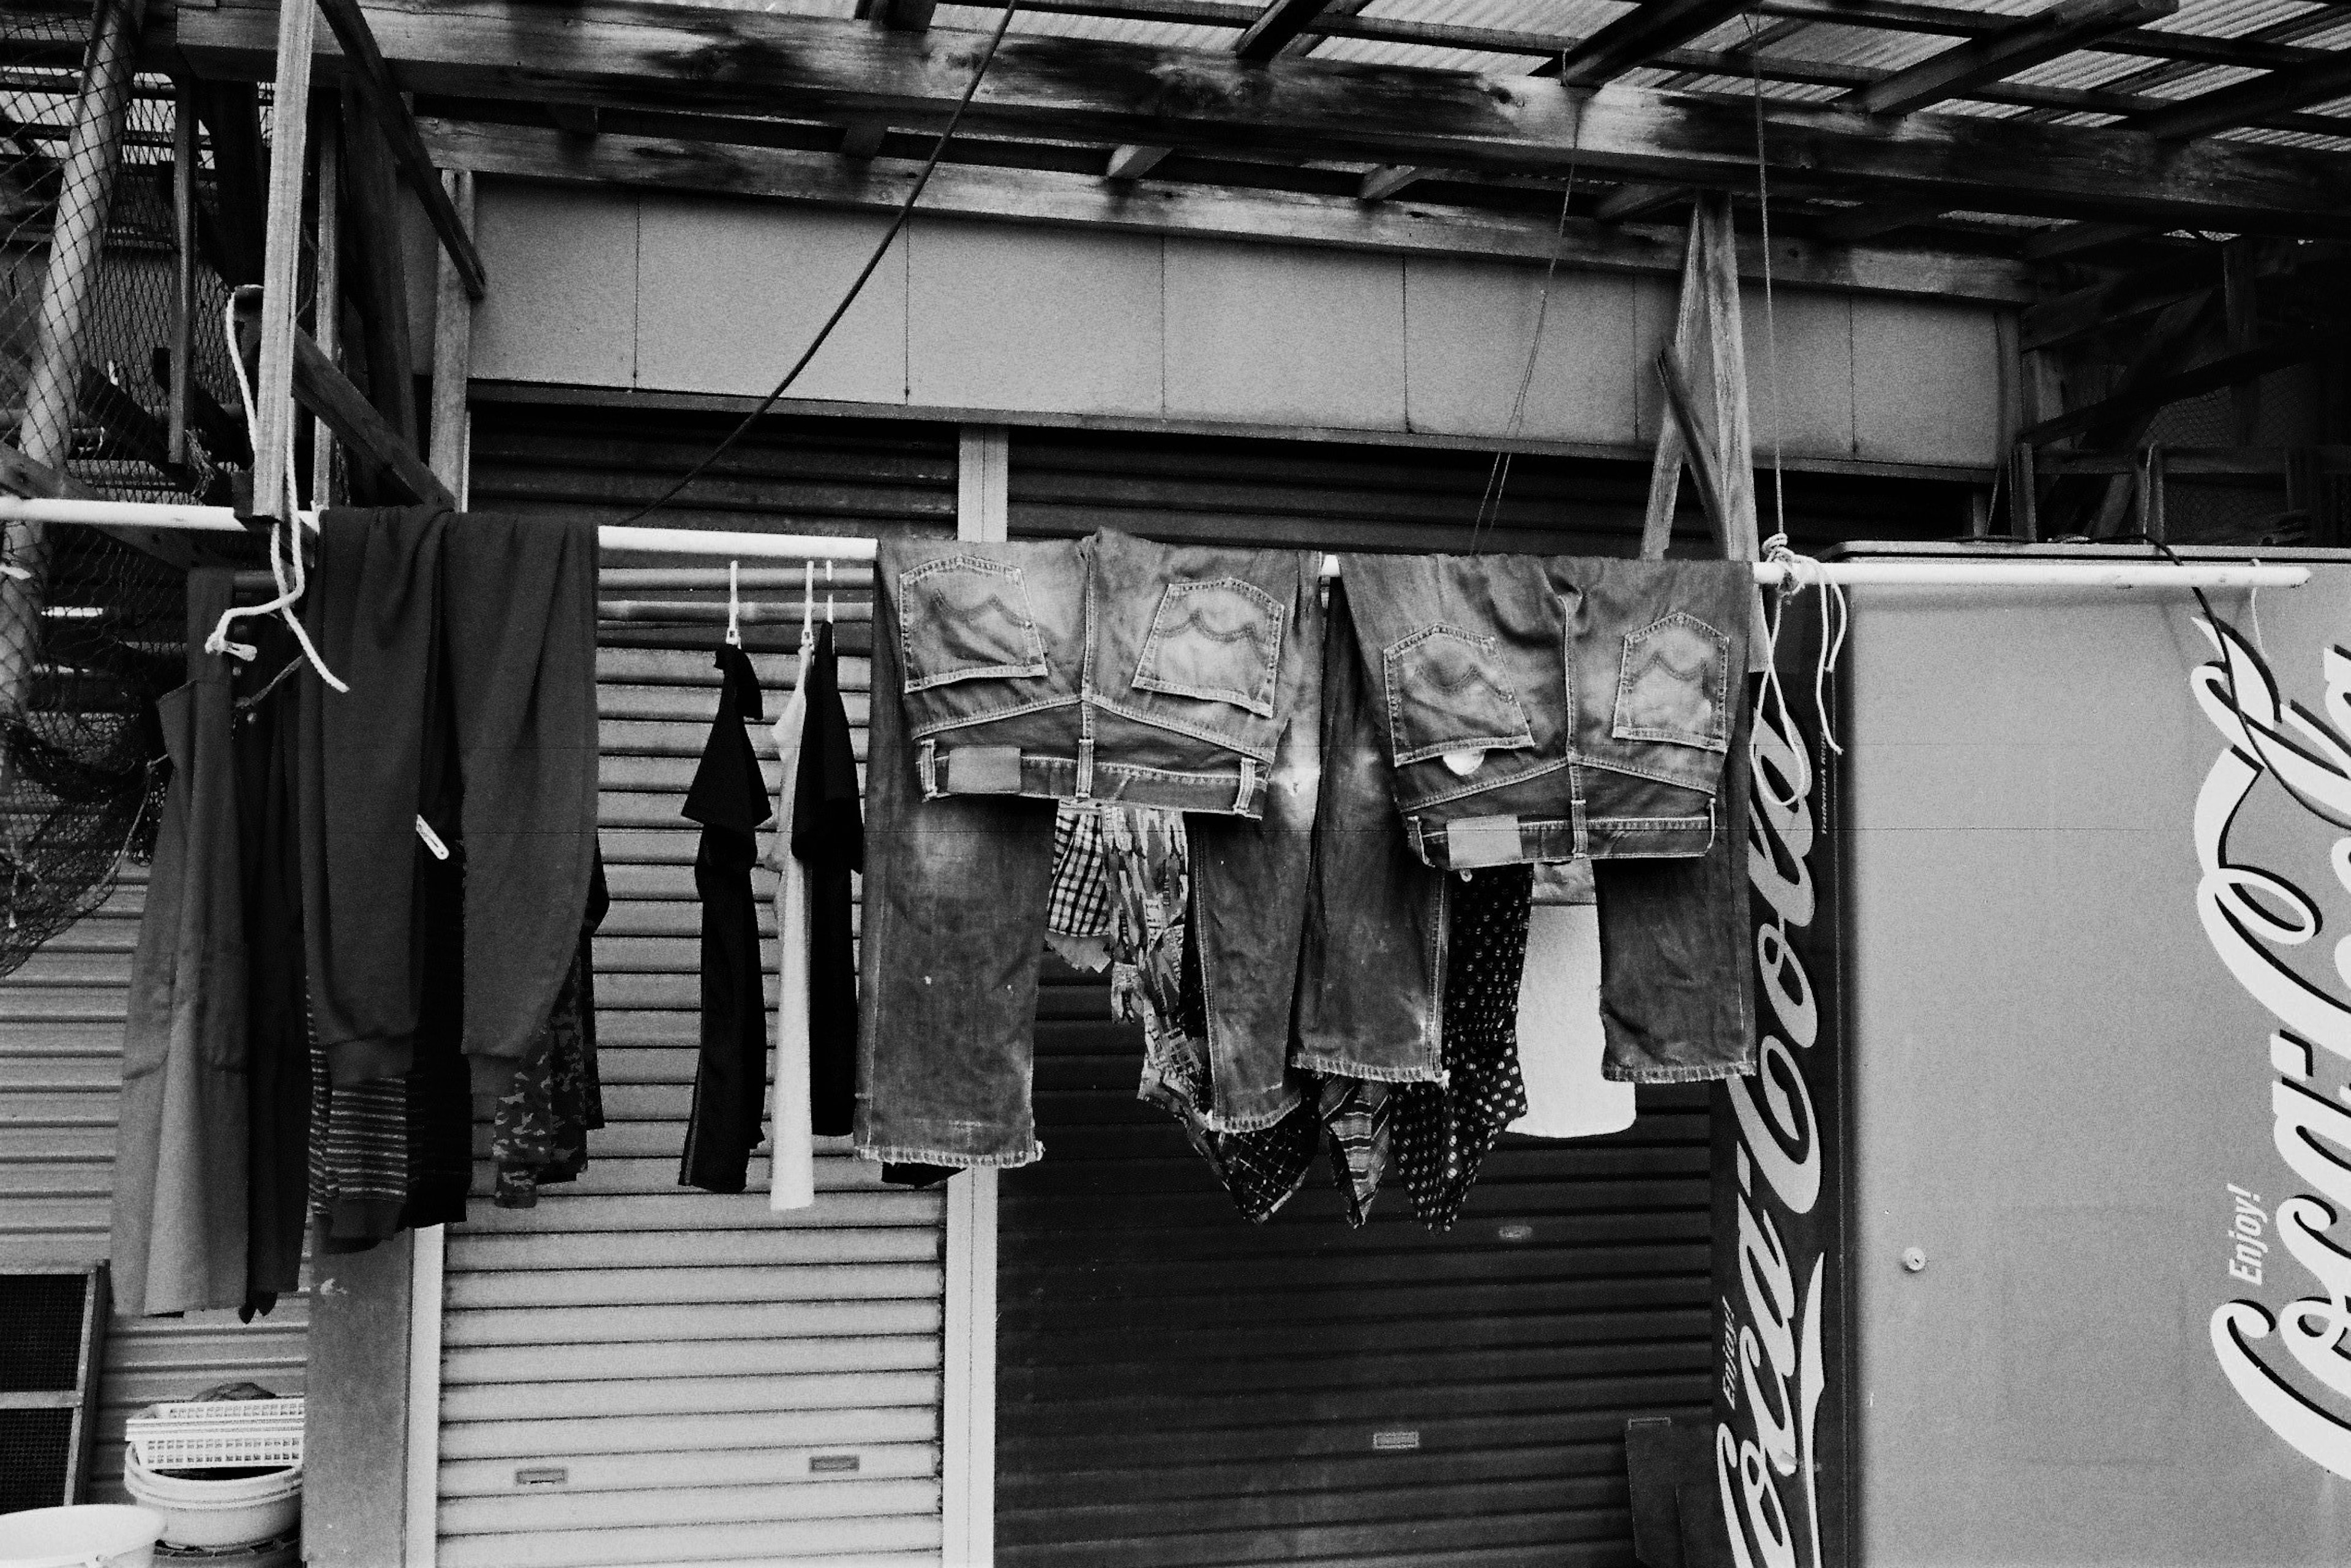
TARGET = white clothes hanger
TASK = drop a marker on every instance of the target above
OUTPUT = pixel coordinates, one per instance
(733, 603)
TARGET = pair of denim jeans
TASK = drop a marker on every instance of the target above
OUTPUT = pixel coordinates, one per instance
(1008, 676)
(1489, 710)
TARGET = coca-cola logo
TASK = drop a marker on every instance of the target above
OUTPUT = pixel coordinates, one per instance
(1767, 1458)
(2254, 917)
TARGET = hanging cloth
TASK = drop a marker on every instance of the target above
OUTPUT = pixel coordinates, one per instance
(1561, 1039)
(730, 799)
(539, 1127)
(180, 1220)
(828, 834)
(791, 1178)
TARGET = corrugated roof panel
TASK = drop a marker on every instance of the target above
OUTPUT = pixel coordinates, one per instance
(1110, 29)
(2232, 18)
(1573, 18)
(1422, 56)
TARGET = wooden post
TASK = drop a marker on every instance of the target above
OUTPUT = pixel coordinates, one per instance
(378, 281)
(452, 350)
(327, 291)
(184, 278)
(76, 233)
(1709, 347)
(273, 392)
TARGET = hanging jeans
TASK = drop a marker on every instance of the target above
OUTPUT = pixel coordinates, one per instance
(1008, 675)
(1511, 708)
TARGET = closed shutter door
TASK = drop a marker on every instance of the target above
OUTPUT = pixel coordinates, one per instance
(1176, 1386)
(634, 1371)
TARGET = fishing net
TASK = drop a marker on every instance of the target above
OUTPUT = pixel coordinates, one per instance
(91, 629)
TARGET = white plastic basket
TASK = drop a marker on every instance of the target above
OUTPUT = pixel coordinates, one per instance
(203, 1435)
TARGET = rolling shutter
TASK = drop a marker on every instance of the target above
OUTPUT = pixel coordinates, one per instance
(1178, 1387)
(634, 1371)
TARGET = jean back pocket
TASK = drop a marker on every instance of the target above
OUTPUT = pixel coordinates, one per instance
(1447, 692)
(1674, 685)
(964, 618)
(1217, 640)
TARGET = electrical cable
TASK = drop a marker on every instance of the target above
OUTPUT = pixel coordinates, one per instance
(889, 236)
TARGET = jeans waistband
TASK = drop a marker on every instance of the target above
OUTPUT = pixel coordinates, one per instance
(1465, 844)
(1011, 770)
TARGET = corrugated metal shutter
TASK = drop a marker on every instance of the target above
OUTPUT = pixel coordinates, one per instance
(1175, 1386)
(701, 1373)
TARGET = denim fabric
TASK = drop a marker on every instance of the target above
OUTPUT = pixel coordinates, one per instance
(1373, 963)
(987, 708)
(1677, 968)
(1107, 668)
(1541, 708)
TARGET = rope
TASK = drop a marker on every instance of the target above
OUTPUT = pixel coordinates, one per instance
(284, 538)
(1803, 571)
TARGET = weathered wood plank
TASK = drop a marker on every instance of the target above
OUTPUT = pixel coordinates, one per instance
(638, 52)
(1079, 201)
(366, 69)
(1646, 30)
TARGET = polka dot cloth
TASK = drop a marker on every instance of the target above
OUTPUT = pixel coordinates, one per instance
(1443, 1131)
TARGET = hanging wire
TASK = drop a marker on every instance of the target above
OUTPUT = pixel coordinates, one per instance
(1498, 475)
(857, 286)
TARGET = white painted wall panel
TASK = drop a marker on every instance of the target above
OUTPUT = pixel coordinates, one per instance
(1059, 321)
(1468, 326)
(993, 318)
(728, 296)
(563, 271)
(1284, 337)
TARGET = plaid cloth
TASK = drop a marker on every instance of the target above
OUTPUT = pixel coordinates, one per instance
(1357, 1115)
(1078, 904)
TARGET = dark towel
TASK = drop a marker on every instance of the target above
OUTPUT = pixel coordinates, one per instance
(730, 799)
(829, 837)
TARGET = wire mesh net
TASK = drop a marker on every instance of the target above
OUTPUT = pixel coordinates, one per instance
(91, 629)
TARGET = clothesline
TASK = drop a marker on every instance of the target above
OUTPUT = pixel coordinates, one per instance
(2122, 575)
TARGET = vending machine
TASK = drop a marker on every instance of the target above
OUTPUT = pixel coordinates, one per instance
(2033, 1230)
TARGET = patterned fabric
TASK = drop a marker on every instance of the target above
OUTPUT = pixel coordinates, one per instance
(1079, 901)
(1358, 1116)
(1443, 1131)
(358, 1156)
(539, 1132)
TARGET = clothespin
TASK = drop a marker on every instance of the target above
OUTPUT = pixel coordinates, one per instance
(827, 590)
(808, 604)
(734, 604)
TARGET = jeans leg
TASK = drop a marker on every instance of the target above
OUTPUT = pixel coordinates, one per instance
(955, 924)
(1676, 976)
(1373, 961)
(1249, 892)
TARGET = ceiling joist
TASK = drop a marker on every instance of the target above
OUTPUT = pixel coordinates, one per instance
(2061, 30)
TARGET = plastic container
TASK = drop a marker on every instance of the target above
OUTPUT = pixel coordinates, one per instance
(198, 1434)
(241, 1510)
(285, 1552)
(90, 1535)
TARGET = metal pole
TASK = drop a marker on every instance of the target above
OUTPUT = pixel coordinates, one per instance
(77, 233)
(183, 239)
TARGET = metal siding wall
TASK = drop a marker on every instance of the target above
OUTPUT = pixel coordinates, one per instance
(1175, 1386)
(684, 1356)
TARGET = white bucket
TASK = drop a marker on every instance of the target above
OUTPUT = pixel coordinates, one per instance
(235, 1513)
(90, 1535)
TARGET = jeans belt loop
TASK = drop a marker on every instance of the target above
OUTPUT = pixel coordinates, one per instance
(1085, 768)
(1583, 833)
(926, 768)
(1246, 795)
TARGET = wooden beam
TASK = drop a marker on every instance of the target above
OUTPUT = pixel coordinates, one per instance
(327, 275)
(2061, 30)
(273, 380)
(377, 280)
(2247, 101)
(231, 115)
(184, 262)
(861, 138)
(2112, 301)
(1649, 28)
(578, 119)
(1132, 163)
(685, 57)
(1381, 183)
(1696, 443)
(2073, 239)
(1278, 26)
(365, 69)
(898, 15)
(1086, 200)
(453, 357)
(1637, 200)
(2224, 372)
(326, 392)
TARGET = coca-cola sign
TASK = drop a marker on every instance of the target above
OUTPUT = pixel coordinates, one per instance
(2281, 1351)
(1780, 1425)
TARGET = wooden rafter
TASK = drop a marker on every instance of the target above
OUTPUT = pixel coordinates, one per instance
(1639, 36)
(1894, 15)
(898, 15)
(2162, 392)
(2063, 27)
(2247, 101)
(364, 65)
(1282, 25)
(678, 55)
